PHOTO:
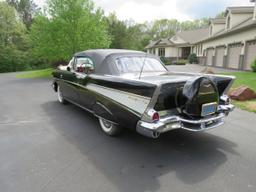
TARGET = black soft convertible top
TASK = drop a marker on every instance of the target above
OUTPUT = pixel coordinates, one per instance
(104, 59)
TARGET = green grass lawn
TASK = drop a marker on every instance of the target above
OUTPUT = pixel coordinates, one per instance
(246, 105)
(244, 78)
(44, 73)
(248, 79)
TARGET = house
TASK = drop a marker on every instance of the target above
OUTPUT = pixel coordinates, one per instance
(179, 46)
(232, 40)
(228, 42)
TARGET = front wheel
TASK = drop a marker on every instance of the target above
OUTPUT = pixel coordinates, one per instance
(109, 128)
(60, 96)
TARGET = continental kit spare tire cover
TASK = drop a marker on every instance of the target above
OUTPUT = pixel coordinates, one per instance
(196, 92)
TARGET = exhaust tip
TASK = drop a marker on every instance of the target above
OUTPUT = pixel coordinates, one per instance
(155, 134)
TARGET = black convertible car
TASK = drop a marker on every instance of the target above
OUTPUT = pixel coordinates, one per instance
(132, 89)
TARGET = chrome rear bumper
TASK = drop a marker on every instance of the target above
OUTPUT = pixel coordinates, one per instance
(154, 129)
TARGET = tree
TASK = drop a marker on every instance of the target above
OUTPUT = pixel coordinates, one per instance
(13, 3)
(12, 39)
(164, 28)
(11, 28)
(117, 30)
(127, 34)
(221, 14)
(26, 10)
(69, 27)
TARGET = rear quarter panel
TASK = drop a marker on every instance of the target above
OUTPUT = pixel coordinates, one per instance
(119, 100)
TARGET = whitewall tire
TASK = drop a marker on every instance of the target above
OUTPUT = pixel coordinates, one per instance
(60, 96)
(109, 128)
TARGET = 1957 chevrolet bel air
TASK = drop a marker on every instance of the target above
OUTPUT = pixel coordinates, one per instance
(132, 89)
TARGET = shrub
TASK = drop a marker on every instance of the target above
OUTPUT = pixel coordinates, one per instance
(166, 61)
(12, 59)
(253, 65)
(192, 58)
(180, 62)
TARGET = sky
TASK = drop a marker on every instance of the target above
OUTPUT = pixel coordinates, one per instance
(148, 10)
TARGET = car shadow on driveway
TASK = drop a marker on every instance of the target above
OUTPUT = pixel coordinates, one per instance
(135, 163)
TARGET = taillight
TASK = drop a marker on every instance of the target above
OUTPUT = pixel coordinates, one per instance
(153, 115)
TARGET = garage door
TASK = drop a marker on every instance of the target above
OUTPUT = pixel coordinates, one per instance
(250, 54)
(234, 52)
(220, 51)
(209, 54)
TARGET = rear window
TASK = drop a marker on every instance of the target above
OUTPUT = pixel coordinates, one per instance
(135, 64)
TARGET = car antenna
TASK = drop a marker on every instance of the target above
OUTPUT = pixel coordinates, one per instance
(143, 64)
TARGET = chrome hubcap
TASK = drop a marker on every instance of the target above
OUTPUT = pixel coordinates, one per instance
(107, 124)
(60, 95)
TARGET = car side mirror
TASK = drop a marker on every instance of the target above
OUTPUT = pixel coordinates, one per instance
(68, 69)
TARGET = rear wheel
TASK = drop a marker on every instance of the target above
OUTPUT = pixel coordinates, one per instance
(60, 96)
(109, 128)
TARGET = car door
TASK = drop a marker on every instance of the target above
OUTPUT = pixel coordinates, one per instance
(86, 97)
(67, 77)
(69, 82)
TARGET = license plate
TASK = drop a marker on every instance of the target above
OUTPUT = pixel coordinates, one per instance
(208, 109)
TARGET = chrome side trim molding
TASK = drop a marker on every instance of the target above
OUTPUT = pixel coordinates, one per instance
(90, 111)
(70, 101)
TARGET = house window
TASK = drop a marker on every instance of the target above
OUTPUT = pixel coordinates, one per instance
(161, 52)
(154, 51)
(211, 30)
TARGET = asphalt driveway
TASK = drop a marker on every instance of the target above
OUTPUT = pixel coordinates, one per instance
(46, 146)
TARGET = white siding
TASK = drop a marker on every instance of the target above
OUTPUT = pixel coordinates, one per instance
(238, 18)
(197, 50)
(193, 49)
(156, 51)
(171, 52)
(217, 28)
(239, 37)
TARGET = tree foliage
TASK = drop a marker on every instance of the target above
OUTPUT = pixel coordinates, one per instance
(34, 38)
(69, 26)
(164, 28)
(126, 34)
(12, 40)
(130, 35)
(26, 10)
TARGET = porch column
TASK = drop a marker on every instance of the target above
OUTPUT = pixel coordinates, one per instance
(178, 54)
